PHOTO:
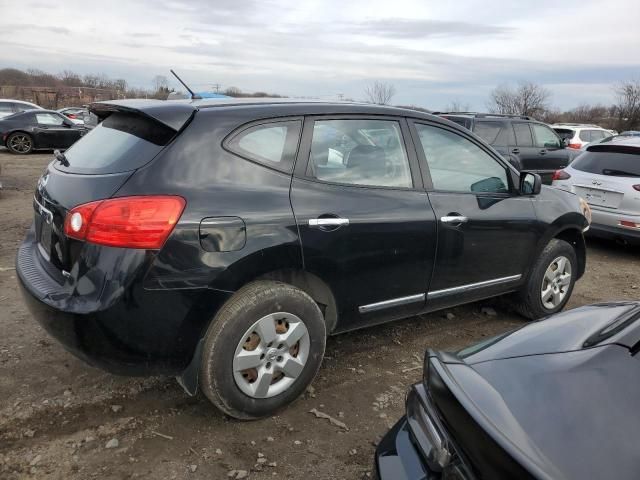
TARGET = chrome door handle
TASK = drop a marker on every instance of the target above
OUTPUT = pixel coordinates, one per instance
(328, 222)
(457, 219)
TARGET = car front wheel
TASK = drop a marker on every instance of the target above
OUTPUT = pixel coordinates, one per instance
(262, 349)
(20, 143)
(550, 283)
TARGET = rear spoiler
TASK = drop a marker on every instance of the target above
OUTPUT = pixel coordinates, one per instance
(174, 114)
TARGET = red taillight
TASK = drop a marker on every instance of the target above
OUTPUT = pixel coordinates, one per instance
(128, 222)
(71, 115)
(626, 223)
(636, 187)
(561, 175)
(577, 146)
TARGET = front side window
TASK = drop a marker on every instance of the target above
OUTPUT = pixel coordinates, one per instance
(523, 135)
(459, 165)
(49, 119)
(359, 152)
(5, 108)
(545, 138)
(274, 144)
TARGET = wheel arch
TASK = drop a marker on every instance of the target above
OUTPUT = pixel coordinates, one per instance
(19, 130)
(314, 286)
(574, 237)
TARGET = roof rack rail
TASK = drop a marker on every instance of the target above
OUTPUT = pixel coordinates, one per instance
(486, 115)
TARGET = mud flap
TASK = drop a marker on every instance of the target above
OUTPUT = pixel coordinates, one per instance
(188, 379)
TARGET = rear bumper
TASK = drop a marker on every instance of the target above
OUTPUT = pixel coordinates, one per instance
(398, 459)
(606, 224)
(614, 233)
(108, 320)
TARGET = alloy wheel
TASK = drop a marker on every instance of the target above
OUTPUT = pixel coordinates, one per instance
(20, 143)
(271, 355)
(556, 282)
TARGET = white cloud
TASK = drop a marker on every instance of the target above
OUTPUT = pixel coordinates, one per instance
(433, 51)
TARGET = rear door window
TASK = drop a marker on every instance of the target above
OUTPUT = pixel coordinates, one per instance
(608, 163)
(273, 144)
(585, 135)
(122, 142)
(494, 133)
(523, 135)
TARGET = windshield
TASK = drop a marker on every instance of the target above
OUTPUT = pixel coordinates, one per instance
(608, 163)
(122, 142)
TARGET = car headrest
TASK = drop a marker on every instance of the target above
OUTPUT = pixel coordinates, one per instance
(369, 156)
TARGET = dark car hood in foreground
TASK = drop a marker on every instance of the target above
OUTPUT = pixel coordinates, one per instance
(559, 410)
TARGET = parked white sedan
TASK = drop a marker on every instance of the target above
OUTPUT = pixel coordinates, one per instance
(607, 176)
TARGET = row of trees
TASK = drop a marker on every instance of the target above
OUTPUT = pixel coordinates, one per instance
(534, 100)
(531, 99)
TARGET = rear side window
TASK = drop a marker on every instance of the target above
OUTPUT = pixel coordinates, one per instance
(122, 142)
(494, 133)
(608, 163)
(585, 135)
(523, 134)
(273, 144)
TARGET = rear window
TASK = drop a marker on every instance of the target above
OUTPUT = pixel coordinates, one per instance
(565, 133)
(494, 133)
(462, 121)
(122, 142)
(609, 163)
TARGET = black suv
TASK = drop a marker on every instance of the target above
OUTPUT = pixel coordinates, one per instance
(222, 241)
(526, 143)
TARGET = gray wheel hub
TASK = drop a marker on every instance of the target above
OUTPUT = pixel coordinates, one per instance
(556, 282)
(271, 355)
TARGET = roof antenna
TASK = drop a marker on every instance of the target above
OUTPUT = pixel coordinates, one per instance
(193, 95)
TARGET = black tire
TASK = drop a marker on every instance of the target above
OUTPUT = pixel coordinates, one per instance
(19, 143)
(528, 302)
(228, 328)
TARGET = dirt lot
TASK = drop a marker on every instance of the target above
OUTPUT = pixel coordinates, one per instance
(57, 414)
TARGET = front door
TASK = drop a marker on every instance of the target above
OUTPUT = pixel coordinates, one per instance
(365, 222)
(486, 231)
(552, 150)
(52, 131)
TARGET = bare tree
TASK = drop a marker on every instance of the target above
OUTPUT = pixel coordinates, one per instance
(527, 99)
(160, 83)
(233, 92)
(380, 92)
(457, 106)
(627, 106)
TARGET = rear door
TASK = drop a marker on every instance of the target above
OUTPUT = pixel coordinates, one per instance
(364, 220)
(486, 231)
(524, 147)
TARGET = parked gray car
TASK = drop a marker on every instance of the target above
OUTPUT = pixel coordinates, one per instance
(607, 176)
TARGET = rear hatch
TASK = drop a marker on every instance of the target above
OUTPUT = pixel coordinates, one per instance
(608, 177)
(95, 168)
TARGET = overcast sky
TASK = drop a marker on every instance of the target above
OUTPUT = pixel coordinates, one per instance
(432, 51)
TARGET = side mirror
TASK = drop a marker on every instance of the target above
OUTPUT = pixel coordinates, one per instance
(530, 183)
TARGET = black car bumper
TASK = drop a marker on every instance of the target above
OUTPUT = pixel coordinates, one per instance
(614, 233)
(112, 322)
(397, 457)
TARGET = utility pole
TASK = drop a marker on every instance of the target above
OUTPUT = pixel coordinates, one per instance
(216, 87)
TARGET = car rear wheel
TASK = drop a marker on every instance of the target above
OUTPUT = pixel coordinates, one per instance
(262, 349)
(20, 143)
(550, 283)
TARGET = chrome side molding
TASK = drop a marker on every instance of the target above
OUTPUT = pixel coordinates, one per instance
(472, 286)
(394, 302)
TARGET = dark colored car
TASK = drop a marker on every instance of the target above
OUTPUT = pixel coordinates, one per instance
(32, 130)
(222, 241)
(527, 144)
(556, 399)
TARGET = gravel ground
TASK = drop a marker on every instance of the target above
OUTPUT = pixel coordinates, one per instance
(60, 418)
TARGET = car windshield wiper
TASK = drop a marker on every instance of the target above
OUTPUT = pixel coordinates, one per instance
(621, 173)
(61, 158)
